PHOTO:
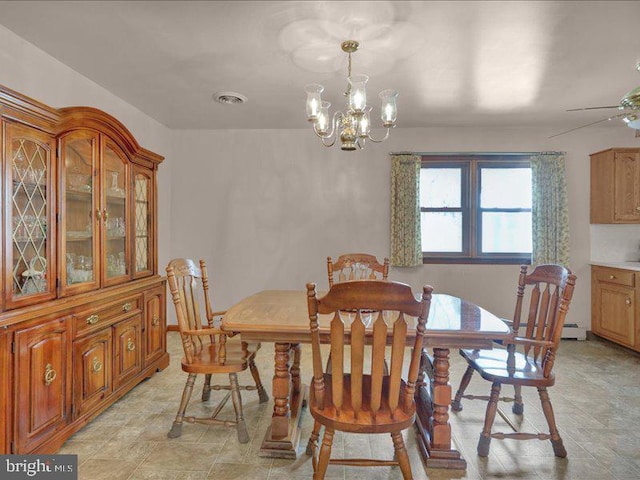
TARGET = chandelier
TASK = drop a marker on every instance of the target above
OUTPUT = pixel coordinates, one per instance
(353, 124)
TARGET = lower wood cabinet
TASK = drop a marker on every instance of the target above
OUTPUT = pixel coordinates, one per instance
(61, 370)
(614, 297)
(154, 326)
(128, 350)
(92, 370)
(42, 372)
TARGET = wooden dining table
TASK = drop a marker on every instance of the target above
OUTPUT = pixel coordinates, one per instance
(281, 316)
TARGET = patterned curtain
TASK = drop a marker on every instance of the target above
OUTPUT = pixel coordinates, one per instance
(406, 245)
(549, 210)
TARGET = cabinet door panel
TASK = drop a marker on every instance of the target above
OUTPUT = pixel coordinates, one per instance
(41, 380)
(116, 233)
(80, 214)
(143, 221)
(155, 333)
(128, 355)
(92, 371)
(616, 313)
(29, 216)
(626, 206)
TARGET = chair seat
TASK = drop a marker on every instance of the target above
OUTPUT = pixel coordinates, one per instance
(492, 366)
(236, 359)
(364, 423)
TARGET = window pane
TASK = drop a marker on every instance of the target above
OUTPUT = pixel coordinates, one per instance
(504, 232)
(440, 187)
(505, 188)
(441, 231)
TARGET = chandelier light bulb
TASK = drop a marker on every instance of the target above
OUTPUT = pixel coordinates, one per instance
(322, 121)
(389, 110)
(358, 92)
(314, 100)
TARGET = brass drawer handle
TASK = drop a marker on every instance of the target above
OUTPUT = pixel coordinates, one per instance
(49, 374)
(155, 321)
(130, 345)
(126, 307)
(96, 365)
(628, 301)
(611, 277)
(92, 319)
(638, 208)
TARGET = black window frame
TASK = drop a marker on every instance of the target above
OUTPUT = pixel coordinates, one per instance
(470, 165)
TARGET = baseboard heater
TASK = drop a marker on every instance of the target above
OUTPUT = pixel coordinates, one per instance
(572, 330)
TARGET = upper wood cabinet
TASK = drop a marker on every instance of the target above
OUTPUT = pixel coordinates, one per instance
(79, 202)
(615, 186)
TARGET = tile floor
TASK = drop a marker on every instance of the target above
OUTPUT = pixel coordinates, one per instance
(596, 401)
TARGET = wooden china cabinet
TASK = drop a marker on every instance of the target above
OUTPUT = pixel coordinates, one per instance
(82, 310)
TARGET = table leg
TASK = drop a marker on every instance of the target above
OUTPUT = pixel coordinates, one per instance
(283, 436)
(295, 368)
(433, 399)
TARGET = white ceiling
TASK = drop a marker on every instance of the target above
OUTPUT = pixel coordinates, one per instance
(454, 63)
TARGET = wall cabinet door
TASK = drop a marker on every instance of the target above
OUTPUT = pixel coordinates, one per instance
(29, 214)
(116, 250)
(128, 350)
(92, 370)
(143, 227)
(154, 328)
(615, 313)
(42, 369)
(80, 213)
(626, 178)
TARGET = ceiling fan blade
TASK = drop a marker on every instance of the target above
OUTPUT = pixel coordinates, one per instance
(592, 108)
(588, 125)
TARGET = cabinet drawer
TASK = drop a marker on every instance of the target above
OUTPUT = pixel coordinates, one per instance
(98, 316)
(615, 275)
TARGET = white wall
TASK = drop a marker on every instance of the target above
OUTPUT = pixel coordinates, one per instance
(265, 208)
(34, 73)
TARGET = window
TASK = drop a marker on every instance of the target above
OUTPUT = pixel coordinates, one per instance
(476, 208)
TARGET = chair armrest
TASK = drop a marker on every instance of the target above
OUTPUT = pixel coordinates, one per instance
(527, 341)
(205, 331)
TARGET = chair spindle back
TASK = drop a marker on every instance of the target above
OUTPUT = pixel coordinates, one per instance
(382, 304)
(550, 296)
(189, 287)
(356, 266)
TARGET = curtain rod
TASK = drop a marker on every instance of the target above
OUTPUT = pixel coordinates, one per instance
(477, 153)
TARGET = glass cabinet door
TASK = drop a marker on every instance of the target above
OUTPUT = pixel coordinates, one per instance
(79, 220)
(115, 215)
(29, 260)
(143, 228)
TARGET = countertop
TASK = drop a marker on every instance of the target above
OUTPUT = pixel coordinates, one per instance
(624, 265)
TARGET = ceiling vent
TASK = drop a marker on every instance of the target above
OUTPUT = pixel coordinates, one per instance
(229, 98)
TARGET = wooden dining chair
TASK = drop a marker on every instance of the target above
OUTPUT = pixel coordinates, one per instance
(356, 266)
(207, 350)
(360, 402)
(528, 359)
